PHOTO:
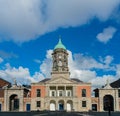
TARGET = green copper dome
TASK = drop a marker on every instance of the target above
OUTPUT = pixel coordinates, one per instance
(60, 45)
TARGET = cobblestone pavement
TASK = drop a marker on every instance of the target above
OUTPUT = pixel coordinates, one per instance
(47, 113)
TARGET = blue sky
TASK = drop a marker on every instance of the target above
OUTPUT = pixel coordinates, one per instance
(29, 30)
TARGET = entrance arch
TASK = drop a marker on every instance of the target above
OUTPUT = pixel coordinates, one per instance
(108, 102)
(69, 105)
(14, 103)
(52, 105)
(61, 105)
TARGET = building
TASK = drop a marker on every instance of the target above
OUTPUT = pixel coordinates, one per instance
(107, 97)
(59, 92)
(14, 97)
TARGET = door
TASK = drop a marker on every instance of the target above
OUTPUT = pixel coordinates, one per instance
(28, 107)
(61, 106)
(52, 106)
(69, 107)
(0, 107)
(108, 103)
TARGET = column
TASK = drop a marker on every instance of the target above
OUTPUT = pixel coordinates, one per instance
(64, 91)
(116, 99)
(56, 91)
(48, 91)
(56, 104)
(74, 89)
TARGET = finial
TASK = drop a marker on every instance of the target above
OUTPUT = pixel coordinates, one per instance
(60, 39)
(15, 82)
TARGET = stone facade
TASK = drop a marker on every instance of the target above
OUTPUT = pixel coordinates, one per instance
(107, 97)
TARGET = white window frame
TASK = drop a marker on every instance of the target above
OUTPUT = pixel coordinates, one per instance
(51, 93)
(68, 91)
(60, 91)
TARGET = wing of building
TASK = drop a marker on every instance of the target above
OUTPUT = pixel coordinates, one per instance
(58, 92)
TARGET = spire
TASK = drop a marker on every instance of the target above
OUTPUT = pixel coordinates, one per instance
(60, 44)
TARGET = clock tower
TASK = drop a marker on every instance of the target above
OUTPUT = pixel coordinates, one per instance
(60, 61)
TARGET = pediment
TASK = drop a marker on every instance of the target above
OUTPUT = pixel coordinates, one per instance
(61, 80)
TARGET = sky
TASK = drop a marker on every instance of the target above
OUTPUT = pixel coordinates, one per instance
(30, 29)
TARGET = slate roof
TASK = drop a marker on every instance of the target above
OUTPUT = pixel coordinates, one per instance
(75, 79)
(45, 80)
(115, 84)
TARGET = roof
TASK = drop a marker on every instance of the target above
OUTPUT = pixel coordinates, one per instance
(115, 84)
(75, 79)
(60, 45)
(4, 83)
(44, 80)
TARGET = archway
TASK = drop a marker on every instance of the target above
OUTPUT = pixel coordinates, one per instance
(14, 103)
(69, 105)
(108, 102)
(61, 105)
(52, 105)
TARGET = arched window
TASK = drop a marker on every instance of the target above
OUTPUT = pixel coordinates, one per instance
(83, 92)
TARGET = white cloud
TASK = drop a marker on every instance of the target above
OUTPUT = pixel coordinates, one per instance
(37, 61)
(5, 54)
(77, 70)
(81, 65)
(108, 60)
(22, 75)
(46, 65)
(1, 60)
(106, 35)
(24, 20)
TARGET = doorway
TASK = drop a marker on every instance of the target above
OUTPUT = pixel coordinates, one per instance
(52, 105)
(61, 105)
(108, 102)
(69, 105)
(28, 107)
(14, 103)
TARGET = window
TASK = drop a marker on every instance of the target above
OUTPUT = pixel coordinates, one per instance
(118, 92)
(38, 92)
(60, 93)
(94, 107)
(83, 92)
(53, 93)
(83, 103)
(38, 104)
(68, 93)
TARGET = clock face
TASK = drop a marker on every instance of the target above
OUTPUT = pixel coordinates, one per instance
(60, 56)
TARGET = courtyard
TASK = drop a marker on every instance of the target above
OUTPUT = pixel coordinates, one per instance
(58, 113)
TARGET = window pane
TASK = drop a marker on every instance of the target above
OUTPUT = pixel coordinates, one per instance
(60, 93)
(53, 93)
(83, 92)
(38, 92)
(83, 103)
(68, 93)
(38, 103)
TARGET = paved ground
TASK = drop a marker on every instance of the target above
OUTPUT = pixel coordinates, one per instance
(58, 114)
